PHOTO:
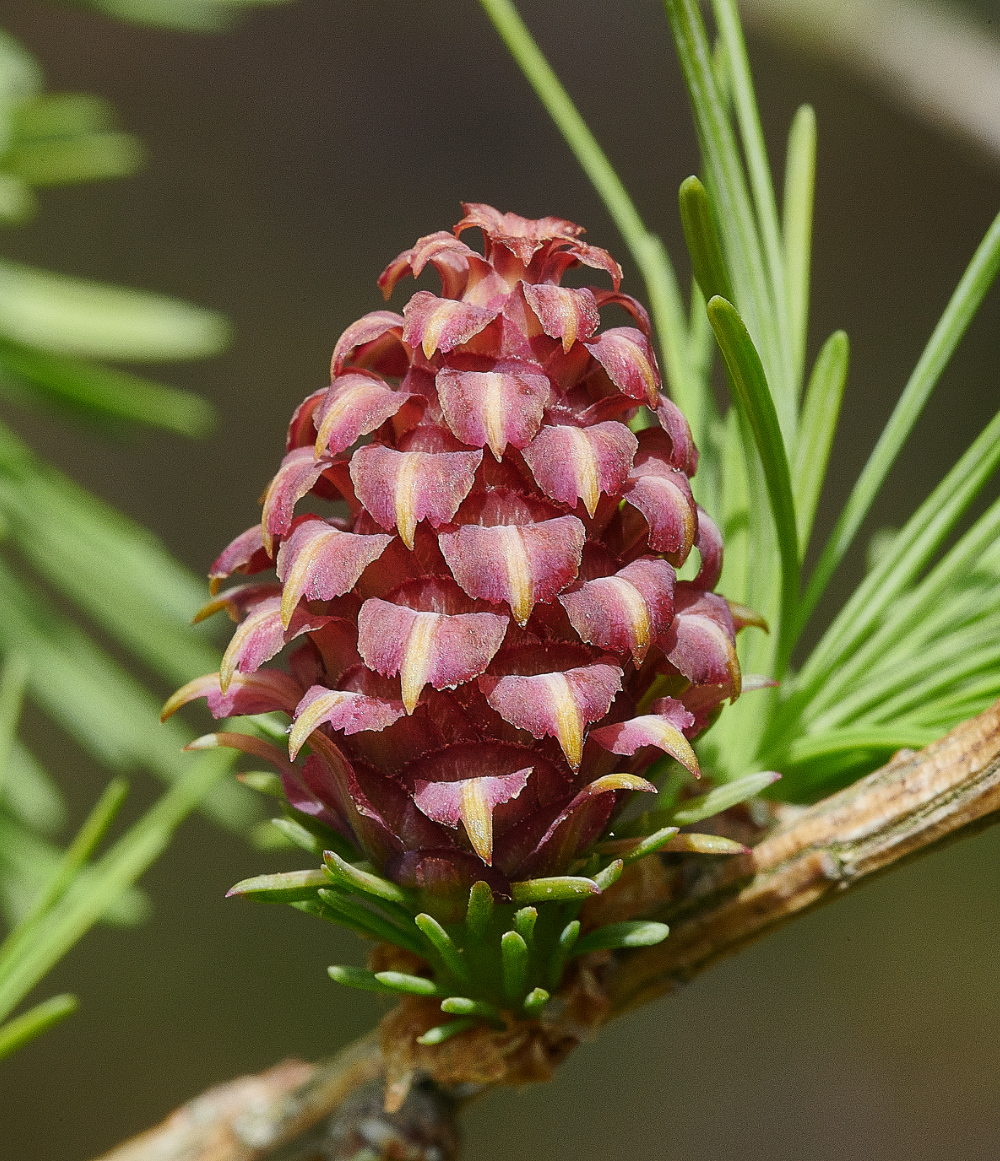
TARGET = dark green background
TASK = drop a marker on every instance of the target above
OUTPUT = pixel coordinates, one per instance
(291, 159)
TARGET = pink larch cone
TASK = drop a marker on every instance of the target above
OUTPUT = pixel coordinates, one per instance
(489, 643)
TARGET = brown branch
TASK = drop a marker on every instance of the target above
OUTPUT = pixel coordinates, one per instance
(916, 803)
(252, 1116)
(910, 807)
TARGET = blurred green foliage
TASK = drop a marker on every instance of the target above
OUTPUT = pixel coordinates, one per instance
(193, 15)
(77, 577)
(916, 648)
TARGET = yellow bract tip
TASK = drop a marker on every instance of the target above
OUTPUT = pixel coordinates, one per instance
(477, 815)
(416, 659)
(519, 577)
(648, 377)
(289, 603)
(571, 331)
(635, 608)
(405, 497)
(588, 484)
(433, 328)
(228, 667)
(493, 414)
(675, 744)
(309, 719)
(591, 494)
(568, 726)
(337, 409)
(199, 687)
(210, 609)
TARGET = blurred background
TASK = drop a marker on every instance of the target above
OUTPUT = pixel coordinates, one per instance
(290, 159)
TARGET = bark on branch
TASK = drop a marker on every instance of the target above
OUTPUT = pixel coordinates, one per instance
(916, 803)
(913, 805)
